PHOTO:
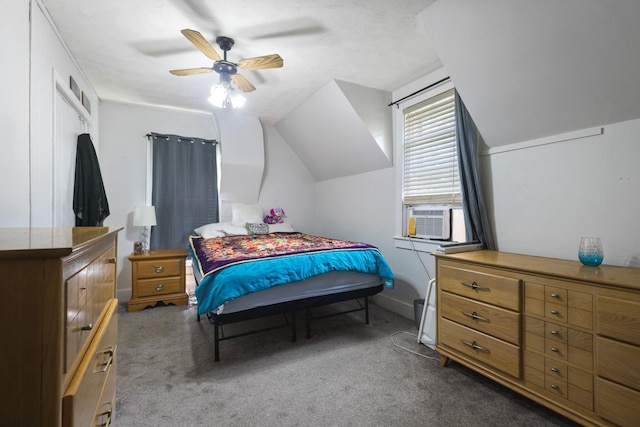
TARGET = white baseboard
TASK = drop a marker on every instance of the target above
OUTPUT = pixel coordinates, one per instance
(398, 307)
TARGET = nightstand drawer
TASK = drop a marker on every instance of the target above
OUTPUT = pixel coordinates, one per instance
(159, 268)
(167, 285)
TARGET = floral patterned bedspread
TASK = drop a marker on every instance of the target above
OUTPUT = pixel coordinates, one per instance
(216, 253)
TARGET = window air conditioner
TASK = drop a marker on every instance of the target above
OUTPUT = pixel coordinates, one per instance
(430, 222)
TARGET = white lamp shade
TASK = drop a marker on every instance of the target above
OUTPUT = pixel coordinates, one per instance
(144, 216)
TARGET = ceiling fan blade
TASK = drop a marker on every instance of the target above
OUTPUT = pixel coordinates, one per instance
(242, 83)
(191, 71)
(261, 62)
(201, 43)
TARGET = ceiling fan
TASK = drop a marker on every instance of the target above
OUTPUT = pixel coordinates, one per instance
(228, 70)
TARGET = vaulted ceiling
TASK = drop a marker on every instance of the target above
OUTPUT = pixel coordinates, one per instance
(126, 48)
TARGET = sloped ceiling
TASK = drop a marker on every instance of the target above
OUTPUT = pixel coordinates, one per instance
(343, 129)
(530, 69)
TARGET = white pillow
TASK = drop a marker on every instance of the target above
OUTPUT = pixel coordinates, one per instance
(220, 229)
(242, 213)
(281, 228)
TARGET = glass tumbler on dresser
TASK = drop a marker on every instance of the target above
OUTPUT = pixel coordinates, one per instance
(590, 251)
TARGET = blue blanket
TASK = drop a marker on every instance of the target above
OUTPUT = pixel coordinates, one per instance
(233, 281)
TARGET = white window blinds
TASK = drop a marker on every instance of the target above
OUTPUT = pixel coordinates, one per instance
(430, 154)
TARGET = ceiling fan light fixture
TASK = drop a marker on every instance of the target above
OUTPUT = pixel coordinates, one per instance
(219, 95)
(225, 96)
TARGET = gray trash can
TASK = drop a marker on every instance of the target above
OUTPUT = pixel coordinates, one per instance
(418, 306)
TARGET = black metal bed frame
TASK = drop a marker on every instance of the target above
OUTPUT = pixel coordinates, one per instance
(289, 307)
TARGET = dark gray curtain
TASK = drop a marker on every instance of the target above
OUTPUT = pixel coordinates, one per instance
(184, 190)
(475, 210)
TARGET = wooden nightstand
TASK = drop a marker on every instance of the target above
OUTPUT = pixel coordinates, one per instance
(158, 276)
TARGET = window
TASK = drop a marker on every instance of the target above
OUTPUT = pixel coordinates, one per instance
(430, 174)
(430, 160)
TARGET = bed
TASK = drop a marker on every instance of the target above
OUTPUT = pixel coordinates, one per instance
(248, 276)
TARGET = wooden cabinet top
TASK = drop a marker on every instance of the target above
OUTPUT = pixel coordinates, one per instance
(48, 241)
(610, 275)
(160, 254)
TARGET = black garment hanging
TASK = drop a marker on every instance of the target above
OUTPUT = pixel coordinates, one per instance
(90, 203)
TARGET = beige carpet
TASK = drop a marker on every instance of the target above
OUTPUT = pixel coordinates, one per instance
(346, 374)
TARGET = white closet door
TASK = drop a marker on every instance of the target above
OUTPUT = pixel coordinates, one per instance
(67, 126)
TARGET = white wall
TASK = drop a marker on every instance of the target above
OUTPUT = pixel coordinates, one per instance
(123, 158)
(362, 208)
(14, 120)
(35, 56)
(287, 183)
(50, 61)
(544, 198)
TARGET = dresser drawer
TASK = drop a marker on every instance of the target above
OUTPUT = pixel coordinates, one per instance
(486, 287)
(558, 304)
(105, 413)
(619, 319)
(559, 379)
(618, 362)
(617, 403)
(567, 344)
(495, 321)
(152, 287)
(83, 395)
(159, 268)
(483, 348)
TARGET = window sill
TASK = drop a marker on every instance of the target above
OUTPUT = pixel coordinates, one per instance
(414, 244)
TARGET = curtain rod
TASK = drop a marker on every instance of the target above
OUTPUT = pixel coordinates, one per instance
(181, 138)
(420, 90)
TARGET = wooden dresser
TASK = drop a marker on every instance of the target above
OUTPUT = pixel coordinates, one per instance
(59, 326)
(560, 333)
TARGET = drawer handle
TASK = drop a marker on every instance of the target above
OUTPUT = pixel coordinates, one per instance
(474, 316)
(556, 370)
(555, 296)
(555, 387)
(474, 346)
(87, 327)
(555, 350)
(554, 332)
(554, 311)
(109, 353)
(111, 261)
(108, 413)
(159, 269)
(474, 286)
(159, 287)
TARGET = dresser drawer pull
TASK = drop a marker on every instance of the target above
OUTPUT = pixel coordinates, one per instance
(159, 288)
(87, 327)
(107, 414)
(554, 311)
(554, 296)
(555, 387)
(109, 353)
(111, 261)
(159, 269)
(474, 346)
(474, 286)
(555, 350)
(474, 316)
(556, 370)
(554, 332)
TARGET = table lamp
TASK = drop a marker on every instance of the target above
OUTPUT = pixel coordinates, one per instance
(145, 217)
